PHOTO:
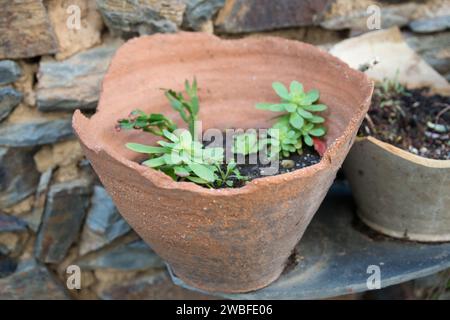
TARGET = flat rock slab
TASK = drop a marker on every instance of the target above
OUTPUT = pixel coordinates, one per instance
(434, 24)
(240, 16)
(336, 251)
(25, 30)
(142, 17)
(433, 48)
(14, 184)
(397, 59)
(11, 223)
(9, 99)
(149, 286)
(9, 71)
(64, 212)
(31, 281)
(103, 222)
(199, 11)
(35, 132)
(133, 256)
(7, 265)
(73, 83)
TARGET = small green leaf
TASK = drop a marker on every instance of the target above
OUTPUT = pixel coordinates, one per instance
(197, 180)
(202, 171)
(296, 121)
(304, 114)
(137, 112)
(181, 171)
(282, 122)
(308, 127)
(174, 102)
(142, 148)
(281, 90)
(311, 96)
(185, 139)
(289, 107)
(296, 87)
(308, 140)
(169, 145)
(270, 106)
(173, 158)
(317, 119)
(317, 132)
(263, 106)
(170, 136)
(156, 117)
(231, 165)
(155, 162)
(315, 107)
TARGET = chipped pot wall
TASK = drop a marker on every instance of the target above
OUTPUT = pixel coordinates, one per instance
(231, 240)
(48, 69)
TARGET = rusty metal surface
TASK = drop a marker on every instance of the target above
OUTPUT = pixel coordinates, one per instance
(335, 252)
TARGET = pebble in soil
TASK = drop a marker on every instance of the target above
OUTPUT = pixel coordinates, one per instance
(413, 120)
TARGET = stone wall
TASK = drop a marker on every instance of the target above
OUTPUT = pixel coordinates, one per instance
(53, 210)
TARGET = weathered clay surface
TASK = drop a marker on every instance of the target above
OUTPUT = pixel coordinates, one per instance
(398, 193)
(229, 240)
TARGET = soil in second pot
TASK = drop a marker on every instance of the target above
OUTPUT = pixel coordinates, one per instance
(413, 120)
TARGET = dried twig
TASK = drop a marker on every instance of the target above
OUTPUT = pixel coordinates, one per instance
(440, 113)
(370, 123)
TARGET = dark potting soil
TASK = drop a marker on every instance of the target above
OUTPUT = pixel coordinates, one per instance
(413, 120)
(256, 170)
(294, 162)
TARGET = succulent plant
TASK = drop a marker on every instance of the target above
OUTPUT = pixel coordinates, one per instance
(299, 122)
(285, 141)
(245, 143)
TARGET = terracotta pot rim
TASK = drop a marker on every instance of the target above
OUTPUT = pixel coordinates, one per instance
(163, 181)
(406, 155)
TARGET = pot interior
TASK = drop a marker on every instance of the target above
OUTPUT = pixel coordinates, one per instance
(232, 75)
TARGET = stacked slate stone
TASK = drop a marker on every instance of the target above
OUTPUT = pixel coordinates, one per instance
(54, 211)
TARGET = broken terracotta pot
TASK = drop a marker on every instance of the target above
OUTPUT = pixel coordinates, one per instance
(227, 240)
(397, 193)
